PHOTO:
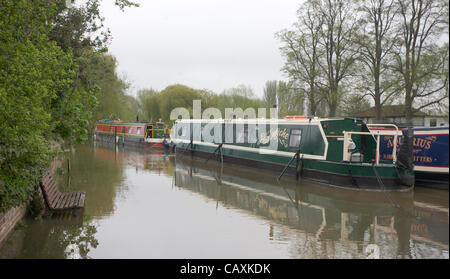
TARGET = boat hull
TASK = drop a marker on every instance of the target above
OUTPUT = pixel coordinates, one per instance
(130, 140)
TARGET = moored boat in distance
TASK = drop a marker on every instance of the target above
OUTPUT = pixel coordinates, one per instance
(341, 152)
(431, 150)
(151, 134)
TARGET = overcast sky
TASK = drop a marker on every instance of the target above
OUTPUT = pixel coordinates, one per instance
(204, 44)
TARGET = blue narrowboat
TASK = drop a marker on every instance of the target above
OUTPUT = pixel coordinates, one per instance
(430, 152)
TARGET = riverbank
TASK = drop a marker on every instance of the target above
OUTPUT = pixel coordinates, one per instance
(10, 218)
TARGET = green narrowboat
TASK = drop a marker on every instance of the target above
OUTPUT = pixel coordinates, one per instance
(341, 152)
(153, 134)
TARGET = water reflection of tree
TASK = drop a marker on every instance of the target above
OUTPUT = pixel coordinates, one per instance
(81, 238)
(60, 238)
(99, 173)
(49, 238)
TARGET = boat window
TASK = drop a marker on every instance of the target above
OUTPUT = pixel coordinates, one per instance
(246, 134)
(240, 137)
(183, 131)
(110, 128)
(130, 130)
(149, 131)
(124, 129)
(204, 132)
(433, 122)
(295, 138)
(242, 134)
(138, 131)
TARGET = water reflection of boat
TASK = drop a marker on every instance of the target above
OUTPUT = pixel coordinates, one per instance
(333, 214)
(136, 156)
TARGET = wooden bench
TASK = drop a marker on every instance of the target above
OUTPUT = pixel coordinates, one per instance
(56, 201)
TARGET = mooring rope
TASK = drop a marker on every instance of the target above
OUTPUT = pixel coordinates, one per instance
(219, 150)
(189, 145)
(394, 204)
(383, 188)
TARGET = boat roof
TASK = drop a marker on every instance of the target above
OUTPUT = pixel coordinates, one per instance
(258, 120)
(431, 128)
(421, 128)
(130, 123)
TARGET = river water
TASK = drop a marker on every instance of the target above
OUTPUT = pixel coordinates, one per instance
(148, 204)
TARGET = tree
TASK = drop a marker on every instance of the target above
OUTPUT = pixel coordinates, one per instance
(239, 97)
(33, 71)
(302, 52)
(175, 96)
(45, 93)
(209, 98)
(81, 32)
(98, 70)
(79, 28)
(376, 41)
(320, 53)
(270, 93)
(241, 90)
(354, 103)
(290, 99)
(420, 61)
(150, 102)
(337, 40)
(286, 96)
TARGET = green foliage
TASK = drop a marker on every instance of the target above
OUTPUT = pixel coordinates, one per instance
(288, 99)
(150, 100)
(74, 28)
(48, 86)
(175, 96)
(20, 225)
(158, 105)
(270, 93)
(239, 97)
(36, 205)
(354, 103)
(33, 71)
(80, 28)
(97, 71)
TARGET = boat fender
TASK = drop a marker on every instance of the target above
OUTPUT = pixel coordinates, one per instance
(405, 155)
(351, 145)
(173, 148)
